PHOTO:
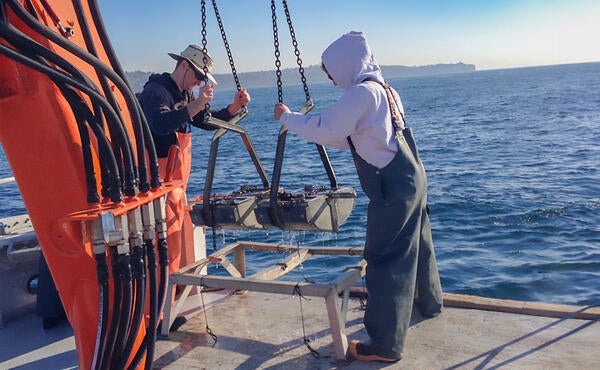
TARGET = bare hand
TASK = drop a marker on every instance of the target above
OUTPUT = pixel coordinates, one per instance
(242, 97)
(280, 109)
(240, 100)
(205, 93)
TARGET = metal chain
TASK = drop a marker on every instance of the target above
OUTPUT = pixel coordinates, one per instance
(277, 53)
(296, 50)
(204, 53)
(233, 70)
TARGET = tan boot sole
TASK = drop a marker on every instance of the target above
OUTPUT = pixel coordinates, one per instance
(357, 356)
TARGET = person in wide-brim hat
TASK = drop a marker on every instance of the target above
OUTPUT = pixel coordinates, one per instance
(198, 59)
(172, 105)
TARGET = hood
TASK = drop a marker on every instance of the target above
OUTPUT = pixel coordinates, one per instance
(349, 60)
(165, 80)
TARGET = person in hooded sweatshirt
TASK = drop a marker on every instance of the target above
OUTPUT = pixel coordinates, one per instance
(368, 119)
(171, 109)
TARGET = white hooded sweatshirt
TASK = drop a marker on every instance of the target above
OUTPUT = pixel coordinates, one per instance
(362, 112)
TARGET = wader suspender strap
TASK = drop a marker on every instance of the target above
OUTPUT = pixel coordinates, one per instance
(396, 113)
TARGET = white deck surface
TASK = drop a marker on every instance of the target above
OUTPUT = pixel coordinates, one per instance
(264, 331)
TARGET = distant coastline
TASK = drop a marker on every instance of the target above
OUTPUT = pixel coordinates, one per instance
(313, 74)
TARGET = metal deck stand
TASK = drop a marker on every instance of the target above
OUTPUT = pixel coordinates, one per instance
(264, 281)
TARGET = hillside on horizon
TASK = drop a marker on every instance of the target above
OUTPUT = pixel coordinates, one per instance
(313, 74)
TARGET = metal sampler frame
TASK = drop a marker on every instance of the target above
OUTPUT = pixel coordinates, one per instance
(265, 281)
(317, 209)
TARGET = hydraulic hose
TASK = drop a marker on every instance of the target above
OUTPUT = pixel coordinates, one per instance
(60, 76)
(3, 18)
(150, 338)
(102, 274)
(130, 99)
(154, 301)
(124, 262)
(163, 258)
(114, 62)
(138, 263)
(104, 150)
(90, 177)
(92, 60)
(116, 307)
(32, 49)
(141, 155)
(24, 42)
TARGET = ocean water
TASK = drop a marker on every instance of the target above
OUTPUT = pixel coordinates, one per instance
(513, 163)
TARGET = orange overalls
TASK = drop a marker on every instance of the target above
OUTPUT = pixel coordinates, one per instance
(177, 241)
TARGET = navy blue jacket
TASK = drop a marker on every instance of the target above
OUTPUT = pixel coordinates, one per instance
(164, 107)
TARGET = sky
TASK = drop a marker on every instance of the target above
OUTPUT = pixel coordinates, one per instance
(491, 34)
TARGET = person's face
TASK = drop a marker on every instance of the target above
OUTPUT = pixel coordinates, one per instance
(193, 77)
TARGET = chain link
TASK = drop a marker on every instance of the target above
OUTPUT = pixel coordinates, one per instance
(229, 55)
(296, 50)
(204, 58)
(277, 53)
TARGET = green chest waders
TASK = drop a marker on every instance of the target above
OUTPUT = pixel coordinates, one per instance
(399, 247)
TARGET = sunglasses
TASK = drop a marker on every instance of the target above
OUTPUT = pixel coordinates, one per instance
(198, 75)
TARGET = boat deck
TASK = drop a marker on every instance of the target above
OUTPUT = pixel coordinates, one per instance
(265, 331)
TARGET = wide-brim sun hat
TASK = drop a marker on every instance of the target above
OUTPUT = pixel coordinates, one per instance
(194, 55)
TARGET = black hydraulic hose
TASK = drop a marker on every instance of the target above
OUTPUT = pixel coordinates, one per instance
(128, 173)
(57, 75)
(163, 258)
(149, 141)
(90, 177)
(150, 338)
(141, 155)
(23, 42)
(135, 362)
(102, 274)
(27, 47)
(105, 151)
(124, 261)
(129, 188)
(114, 61)
(92, 60)
(96, 125)
(116, 306)
(134, 110)
(110, 176)
(95, 122)
(110, 52)
(138, 262)
(60, 76)
(3, 17)
(153, 322)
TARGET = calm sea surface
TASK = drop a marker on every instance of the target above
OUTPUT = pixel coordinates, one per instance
(513, 161)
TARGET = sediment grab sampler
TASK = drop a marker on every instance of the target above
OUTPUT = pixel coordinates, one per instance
(312, 208)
